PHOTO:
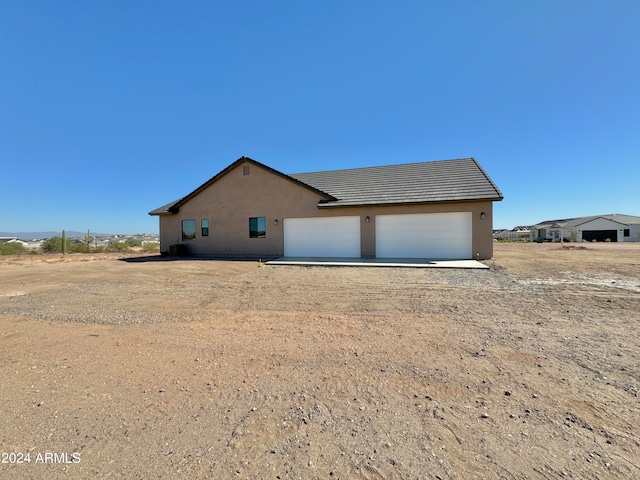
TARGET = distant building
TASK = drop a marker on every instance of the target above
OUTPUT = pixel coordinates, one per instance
(613, 227)
(520, 233)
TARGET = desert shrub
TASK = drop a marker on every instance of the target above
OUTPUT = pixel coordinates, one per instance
(117, 247)
(81, 248)
(54, 245)
(133, 243)
(151, 247)
(99, 249)
(12, 248)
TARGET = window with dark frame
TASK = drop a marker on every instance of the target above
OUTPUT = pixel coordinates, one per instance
(204, 225)
(188, 229)
(257, 227)
(627, 232)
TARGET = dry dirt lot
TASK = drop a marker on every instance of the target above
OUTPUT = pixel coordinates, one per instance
(210, 369)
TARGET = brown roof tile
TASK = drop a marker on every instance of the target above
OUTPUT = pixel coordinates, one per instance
(423, 182)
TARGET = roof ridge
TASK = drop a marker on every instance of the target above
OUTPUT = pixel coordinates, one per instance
(384, 166)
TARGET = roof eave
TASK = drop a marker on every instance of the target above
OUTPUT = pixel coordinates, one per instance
(486, 175)
(395, 204)
(165, 209)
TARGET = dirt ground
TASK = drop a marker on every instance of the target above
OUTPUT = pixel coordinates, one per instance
(116, 367)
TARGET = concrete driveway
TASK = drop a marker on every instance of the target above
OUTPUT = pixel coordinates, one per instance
(377, 262)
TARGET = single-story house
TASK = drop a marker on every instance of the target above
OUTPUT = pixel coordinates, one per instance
(437, 210)
(613, 227)
(519, 233)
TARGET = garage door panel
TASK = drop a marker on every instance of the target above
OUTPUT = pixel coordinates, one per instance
(434, 235)
(322, 237)
(600, 235)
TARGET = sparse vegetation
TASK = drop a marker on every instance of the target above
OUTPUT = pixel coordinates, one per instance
(87, 244)
(12, 248)
(81, 247)
(151, 247)
(117, 247)
(54, 245)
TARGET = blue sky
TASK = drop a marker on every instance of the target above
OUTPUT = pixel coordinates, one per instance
(111, 109)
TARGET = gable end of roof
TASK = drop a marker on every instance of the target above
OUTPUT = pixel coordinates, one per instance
(174, 207)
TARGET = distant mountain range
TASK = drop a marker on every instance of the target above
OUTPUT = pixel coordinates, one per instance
(41, 235)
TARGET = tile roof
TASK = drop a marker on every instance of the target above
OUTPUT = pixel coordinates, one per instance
(423, 182)
(165, 209)
(574, 222)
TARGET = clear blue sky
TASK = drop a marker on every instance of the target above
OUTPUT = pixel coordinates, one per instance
(111, 109)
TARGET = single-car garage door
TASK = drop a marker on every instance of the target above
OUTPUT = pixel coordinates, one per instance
(429, 235)
(322, 237)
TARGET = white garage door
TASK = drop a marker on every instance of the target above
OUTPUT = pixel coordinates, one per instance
(322, 237)
(432, 235)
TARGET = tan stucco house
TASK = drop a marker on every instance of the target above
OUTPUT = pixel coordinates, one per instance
(436, 210)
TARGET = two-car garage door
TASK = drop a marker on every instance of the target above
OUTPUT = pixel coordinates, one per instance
(429, 235)
(322, 237)
(432, 235)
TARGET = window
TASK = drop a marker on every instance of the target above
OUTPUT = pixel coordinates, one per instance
(204, 224)
(257, 227)
(188, 229)
(627, 232)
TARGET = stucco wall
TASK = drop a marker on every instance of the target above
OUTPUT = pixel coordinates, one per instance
(234, 198)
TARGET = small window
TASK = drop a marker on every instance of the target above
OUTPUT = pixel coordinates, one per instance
(257, 227)
(204, 223)
(627, 232)
(245, 170)
(188, 229)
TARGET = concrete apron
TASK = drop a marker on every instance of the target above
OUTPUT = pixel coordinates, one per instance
(377, 262)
